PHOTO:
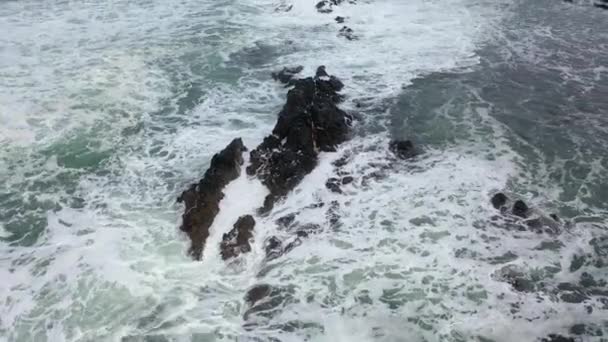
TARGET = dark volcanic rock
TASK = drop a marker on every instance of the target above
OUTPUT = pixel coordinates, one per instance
(347, 33)
(273, 247)
(286, 221)
(325, 6)
(236, 241)
(257, 293)
(520, 208)
(265, 300)
(557, 338)
(603, 4)
(339, 19)
(309, 122)
(499, 200)
(402, 148)
(347, 180)
(333, 184)
(202, 199)
(287, 74)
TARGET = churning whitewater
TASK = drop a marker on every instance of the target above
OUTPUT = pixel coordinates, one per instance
(422, 170)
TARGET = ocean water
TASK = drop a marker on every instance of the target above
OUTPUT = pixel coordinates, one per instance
(109, 109)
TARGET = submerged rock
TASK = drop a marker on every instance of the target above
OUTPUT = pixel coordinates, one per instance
(326, 6)
(273, 247)
(603, 4)
(521, 217)
(402, 148)
(276, 247)
(309, 122)
(236, 241)
(202, 199)
(557, 338)
(286, 221)
(333, 184)
(266, 300)
(287, 74)
(347, 33)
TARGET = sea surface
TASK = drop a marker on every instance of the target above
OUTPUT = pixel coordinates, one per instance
(110, 108)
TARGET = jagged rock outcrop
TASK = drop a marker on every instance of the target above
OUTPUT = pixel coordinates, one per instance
(310, 122)
(202, 199)
(236, 241)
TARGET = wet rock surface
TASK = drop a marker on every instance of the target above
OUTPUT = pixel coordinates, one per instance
(202, 199)
(499, 200)
(287, 74)
(520, 209)
(309, 122)
(557, 338)
(603, 4)
(347, 33)
(265, 301)
(326, 6)
(516, 215)
(236, 241)
(403, 149)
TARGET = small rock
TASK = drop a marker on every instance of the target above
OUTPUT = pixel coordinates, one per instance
(333, 186)
(347, 33)
(499, 200)
(603, 4)
(573, 297)
(324, 6)
(557, 338)
(523, 285)
(520, 209)
(339, 19)
(257, 293)
(402, 148)
(577, 262)
(287, 220)
(236, 241)
(287, 74)
(264, 299)
(273, 248)
(578, 329)
(347, 180)
(587, 280)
